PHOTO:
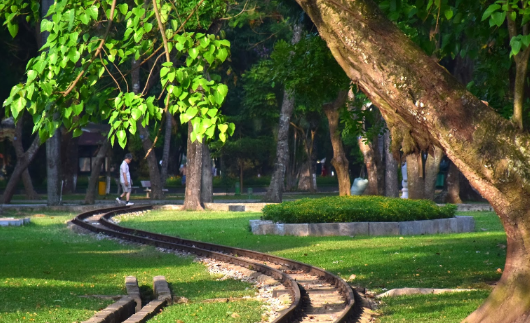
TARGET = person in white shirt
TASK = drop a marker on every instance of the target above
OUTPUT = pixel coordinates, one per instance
(125, 180)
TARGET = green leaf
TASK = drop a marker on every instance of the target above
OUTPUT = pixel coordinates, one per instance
(77, 109)
(449, 14)
(491, 9)
(231, 129)
(223, 127)
(93, 12)
(513, 15)
(194, 52)
(222, 137)
(212, 112)
(148, 27)
(497, 19)
(17, 106)
(31, 75)
(516, 44)
(13, 29)
(222, 54)
(136, 114)
(123, 8)
(526, 40)
(122, 137)
(220, 93)
(46, 25)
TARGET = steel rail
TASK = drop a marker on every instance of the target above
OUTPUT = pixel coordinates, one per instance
(228, 254)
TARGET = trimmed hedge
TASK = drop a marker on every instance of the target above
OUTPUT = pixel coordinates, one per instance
(356, 209)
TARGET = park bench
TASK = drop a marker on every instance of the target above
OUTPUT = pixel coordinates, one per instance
(147, 188)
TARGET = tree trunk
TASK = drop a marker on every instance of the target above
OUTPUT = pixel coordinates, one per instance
(339, 161)
(21, 165)
(453, 185)
(432, 168)
(19, 151)
(90, 197)
(521, 70)
(391, 170)
(147, 143)
(207, 176)
(369, 151)
(424, 105)
(192, 196)
(53, 168)
(274, 192)
(69, 151)
(304, 184)
(415, 177)
(167, 145)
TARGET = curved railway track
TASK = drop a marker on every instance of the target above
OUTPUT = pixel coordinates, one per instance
(316, 295)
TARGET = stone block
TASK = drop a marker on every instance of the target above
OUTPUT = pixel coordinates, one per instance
(236, 208)
(296, 229)
(354, 229)
(324, 229)
(161, 288)
(465, 223)
(266, 228)
(147, 312)
(406, 228)
(131, 285)
(443, 225)
(426, 227)
(115, 313)
(383, 228)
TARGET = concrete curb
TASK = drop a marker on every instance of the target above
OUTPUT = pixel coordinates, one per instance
(5, 222)
(131, 285)
(457, 224)
(147, 312)
(115, 313)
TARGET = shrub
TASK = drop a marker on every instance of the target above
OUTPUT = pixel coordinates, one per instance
(356, 209)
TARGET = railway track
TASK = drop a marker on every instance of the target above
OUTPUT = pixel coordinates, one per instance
(316, 295)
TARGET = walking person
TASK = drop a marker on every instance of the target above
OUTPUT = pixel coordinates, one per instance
(125, 180)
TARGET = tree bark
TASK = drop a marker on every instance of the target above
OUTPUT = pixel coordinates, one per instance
(372, 163)
(69, 159)
(339, 161)
(415, 177)
(304, 184)
(19, 151)
(90, 197)
(207, 176)
(21, 165)
(275, 190)
(424, 105)
(53, 168)
(432, 168)
(391, 170)
(147, 143)
(453, 185)
(167, 145)
(192, 196)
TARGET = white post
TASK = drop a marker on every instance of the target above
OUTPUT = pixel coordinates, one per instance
(405, 193)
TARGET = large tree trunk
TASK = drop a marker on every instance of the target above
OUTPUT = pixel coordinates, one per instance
(373, 165)
(424, 105)
(53, 168)
(19, 151)
(339, 161)
(90, 197)
(69, 150)
(167, 145)
(391, 170)
(304, 184)
(432, 168)
(416, 181)
(147, 143)
(275, 190)
(192, 196)
(21, 166)
(207, 176)
(453, 185)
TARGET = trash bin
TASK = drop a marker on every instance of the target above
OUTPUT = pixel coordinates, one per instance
(238, 189)
(102, 187)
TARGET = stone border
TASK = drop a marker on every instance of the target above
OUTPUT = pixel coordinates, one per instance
(115, 313)
(5, 222)
(458, 224)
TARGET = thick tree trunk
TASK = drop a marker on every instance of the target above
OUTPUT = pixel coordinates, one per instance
(192, 196)
(207, 176)
(521, 70)
(167, 145)
(147, 143)
(69, 150)
(19, 151)
(21, 165)
(339, 161)
(275, 190)
(304, 184)
(90, 197)
(371, 156)
(415, 177)
(432, 168)
(391, 170)
(424, 105)
(453, 185)
(53, 168)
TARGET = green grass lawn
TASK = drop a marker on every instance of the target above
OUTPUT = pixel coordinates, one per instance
(467, 260)
(45, 268)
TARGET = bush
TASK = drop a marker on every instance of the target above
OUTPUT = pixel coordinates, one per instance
(356, 209)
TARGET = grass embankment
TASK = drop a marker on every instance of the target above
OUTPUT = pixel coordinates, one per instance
(468, 260)
(45, 269)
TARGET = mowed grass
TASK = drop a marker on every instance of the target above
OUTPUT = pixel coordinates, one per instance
(469, 260)
(45, 269)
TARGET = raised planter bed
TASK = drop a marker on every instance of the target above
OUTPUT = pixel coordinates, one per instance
(458, 224)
